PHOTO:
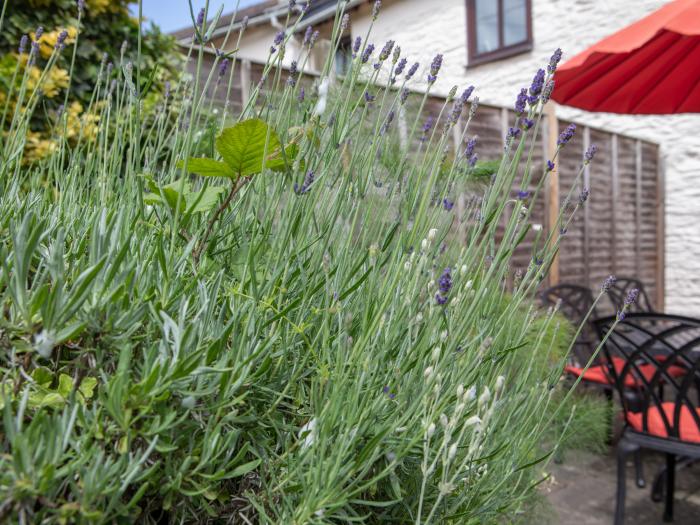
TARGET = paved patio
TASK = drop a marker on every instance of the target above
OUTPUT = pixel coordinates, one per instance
(582, 492)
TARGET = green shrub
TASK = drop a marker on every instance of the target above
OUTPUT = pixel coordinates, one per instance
(310, 337)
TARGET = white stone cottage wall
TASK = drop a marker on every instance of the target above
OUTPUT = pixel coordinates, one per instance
(425, 27)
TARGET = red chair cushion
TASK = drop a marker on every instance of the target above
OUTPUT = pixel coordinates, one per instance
(688, 429)
(598, 374)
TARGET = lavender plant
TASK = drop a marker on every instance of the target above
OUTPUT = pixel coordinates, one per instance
(294, 329)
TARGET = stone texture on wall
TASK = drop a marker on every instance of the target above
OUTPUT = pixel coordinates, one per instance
(425, 27)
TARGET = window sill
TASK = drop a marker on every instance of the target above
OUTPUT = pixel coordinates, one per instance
(499, 54)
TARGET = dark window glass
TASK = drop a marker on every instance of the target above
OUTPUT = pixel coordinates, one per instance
(498, 28)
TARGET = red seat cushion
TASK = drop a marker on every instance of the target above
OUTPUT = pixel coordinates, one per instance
(598, 373)
(688, 429)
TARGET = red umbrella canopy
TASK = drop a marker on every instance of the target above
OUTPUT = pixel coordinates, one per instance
(650, 67)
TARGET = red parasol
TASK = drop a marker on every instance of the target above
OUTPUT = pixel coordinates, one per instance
(650, 67)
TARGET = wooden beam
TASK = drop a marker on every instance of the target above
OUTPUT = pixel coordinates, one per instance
(661, 231)
(638, 208)
(552, 185)
(615, 191)
(586, 212)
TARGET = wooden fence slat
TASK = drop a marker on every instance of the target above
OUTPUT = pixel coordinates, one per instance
(615, 196)
(638, 207)
(586, 210)
(661, 232)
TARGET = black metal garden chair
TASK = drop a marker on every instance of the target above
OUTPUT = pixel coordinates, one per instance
(662, 413)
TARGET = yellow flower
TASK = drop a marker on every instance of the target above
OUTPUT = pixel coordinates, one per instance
(97, 7)
(47, 42)
(78, 123)
(56, 80)
(37, 148)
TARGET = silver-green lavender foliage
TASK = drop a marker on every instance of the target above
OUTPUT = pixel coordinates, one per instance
(324, 359)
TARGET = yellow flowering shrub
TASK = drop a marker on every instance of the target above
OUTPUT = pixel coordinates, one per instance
(48, 40)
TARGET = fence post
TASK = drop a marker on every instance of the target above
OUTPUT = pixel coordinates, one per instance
(552, 185)
(638, 208)
(586, 208)
(245, 82)
(660, 231)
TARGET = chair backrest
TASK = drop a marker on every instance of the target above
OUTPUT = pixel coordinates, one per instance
(574, 302)
(654, 360)
(613, 301)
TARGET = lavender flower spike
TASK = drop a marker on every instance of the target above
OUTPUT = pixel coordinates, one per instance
(375, 9)
(434, 69)
(554, 61)
(412, 71)
(590, 153)
(223, 67)
(23, 44)
(521, 102)
(608, 283)
(61, 40)
(567, 135)
(367, 53)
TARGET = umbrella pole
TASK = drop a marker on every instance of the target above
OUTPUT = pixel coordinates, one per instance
(552, 183)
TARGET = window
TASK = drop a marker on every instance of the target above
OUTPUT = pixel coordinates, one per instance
(498, 29)
(343, 56)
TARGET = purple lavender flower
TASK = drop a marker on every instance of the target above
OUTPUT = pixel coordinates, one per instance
(523, 194)
(293, 74)
(223, 67)
(38, 33)
(369, 98)
(306, 186)
(473, 159)
(81, 6)
(562, 231)
(375, 9)
(536, 87)
(445, 285)
(513, 133)
(520, 102)
(367, 53)
(466, 94)
(447, 204)
(471, 144)
(387, 122)
(526, 123)
(608, 283)
(307, 36)
(583, 196)
(279, 38)
(244, 23)
(344, 22)
(166, 92)
(590, 153)
(412, 71)
(23, 44)
(302, 94)
(61, 40)
(356, 46)
(456, 112)
(427, 126)
(554, 61)
(435, 69)
(547, 91)
(404, 96)
(200, 18)
(631, 297)
(567, 135)
(550, 165)
(399, 69)
(397, 55)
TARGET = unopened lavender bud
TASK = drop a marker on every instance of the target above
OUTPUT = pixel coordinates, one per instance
(444, 421)
(23, 44)
(474, 420)
(460, 390)
(452, 452)
(431, 430)
(432, 233)
(428, 372)
(500, 383)
(470, 395)
(436, 353)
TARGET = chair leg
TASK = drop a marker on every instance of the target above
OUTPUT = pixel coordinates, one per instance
(624, 449)
(639, 470)
(670, 486)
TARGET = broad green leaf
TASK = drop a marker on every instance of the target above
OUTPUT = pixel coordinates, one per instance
(65, 385)
(87, 387)
(209, 167)
(243, 146)
(243, 469)
(42, 376)
(203, 200)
